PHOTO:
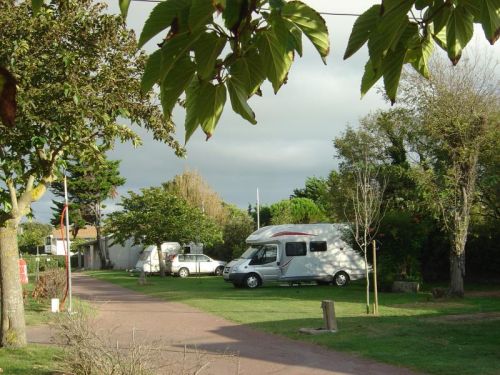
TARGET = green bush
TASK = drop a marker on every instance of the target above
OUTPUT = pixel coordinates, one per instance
(47, 262)
(402, 237)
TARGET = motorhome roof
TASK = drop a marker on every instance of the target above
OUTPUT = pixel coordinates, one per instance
(279, 232)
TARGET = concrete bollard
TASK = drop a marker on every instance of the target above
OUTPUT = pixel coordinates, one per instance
(54, 304)
(329, 315)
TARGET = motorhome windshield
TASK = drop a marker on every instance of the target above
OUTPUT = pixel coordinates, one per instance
(250, 252)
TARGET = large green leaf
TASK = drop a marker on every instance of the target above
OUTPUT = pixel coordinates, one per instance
(151, 71)
(275, 57)
(311, 23)
(370, 77)
(250, 71)
(419, 57)
(207, 49)
(175, 82)
(440, 38)
(490, 19)
(459, 31)
(234, 12)
(200, 13)
(193, 96)
(361, 30)
(213, 105)
(421, 4)
(161, 17)
(295, 38)
(238, 96)
(36, 5)
(124, 5)
(176, 48)
(392, 66)
(439, 13)
(204, 105)
(389, 29)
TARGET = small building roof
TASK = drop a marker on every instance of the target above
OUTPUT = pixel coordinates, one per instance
(88, 232)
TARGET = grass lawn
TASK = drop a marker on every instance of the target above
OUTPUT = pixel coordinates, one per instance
(34, 359)
(412, 330)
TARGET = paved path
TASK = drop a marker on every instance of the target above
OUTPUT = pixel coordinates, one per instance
(221, 346)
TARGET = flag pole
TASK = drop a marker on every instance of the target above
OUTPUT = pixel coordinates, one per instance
(258, 209)
(68, 258)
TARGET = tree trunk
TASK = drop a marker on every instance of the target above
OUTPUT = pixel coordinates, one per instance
(457, 262)
(100, 250)
(161, 260)
(456, 274)
(13, 326)
(367, 281)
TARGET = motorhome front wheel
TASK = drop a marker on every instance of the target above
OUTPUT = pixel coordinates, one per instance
(341, 278)
(252, 281)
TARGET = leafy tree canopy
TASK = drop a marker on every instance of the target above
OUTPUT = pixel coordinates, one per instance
(32, 234)
(191, 186)
(296, 211)
(78, 74)
(155, 216)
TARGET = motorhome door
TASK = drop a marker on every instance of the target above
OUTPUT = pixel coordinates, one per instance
(265, 262)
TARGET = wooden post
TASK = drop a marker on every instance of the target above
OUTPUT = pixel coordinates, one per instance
(375, 310)
(329, 315)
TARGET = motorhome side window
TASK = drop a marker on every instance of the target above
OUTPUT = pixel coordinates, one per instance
(295, 249)
(317, 246)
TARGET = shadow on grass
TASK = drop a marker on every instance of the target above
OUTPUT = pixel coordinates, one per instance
(426, 346)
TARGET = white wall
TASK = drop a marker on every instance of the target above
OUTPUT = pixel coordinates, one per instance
(123, 257)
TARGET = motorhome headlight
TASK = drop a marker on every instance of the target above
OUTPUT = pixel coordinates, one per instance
(235, 268)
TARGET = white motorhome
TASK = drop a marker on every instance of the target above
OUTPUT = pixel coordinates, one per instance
(296, 252)
(148, 259)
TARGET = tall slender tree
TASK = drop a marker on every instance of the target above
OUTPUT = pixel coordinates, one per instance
(362, 161)
(88, 187)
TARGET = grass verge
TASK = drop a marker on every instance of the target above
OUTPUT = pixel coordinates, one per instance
(35, 359)
(413, 330)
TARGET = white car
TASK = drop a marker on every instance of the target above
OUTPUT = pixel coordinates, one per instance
(184, 265)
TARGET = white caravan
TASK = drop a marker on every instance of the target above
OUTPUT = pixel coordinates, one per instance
(296, 252)
(148, 259)
(56, 246)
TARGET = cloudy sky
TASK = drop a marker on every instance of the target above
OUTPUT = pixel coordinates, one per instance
(293, 137)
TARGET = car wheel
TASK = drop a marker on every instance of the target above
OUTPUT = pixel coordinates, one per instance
(252, 281)
(219, 271)
(183, 272)
(341, 279)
